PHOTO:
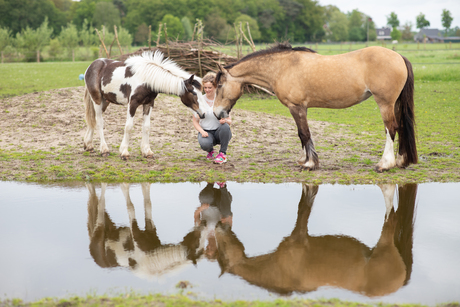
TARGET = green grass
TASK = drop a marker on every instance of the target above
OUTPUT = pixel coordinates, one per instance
(437, 100)
(22, 78)
(189, 299)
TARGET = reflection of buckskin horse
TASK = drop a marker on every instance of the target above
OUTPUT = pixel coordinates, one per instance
(139, 250)
(303, 263)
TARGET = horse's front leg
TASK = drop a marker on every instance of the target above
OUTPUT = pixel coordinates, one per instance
(132, 106)
(309, 159)
(145, 146)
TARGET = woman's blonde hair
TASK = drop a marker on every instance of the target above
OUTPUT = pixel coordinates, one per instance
(209, 77)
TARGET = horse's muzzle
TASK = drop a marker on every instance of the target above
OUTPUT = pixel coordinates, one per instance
(221, 114)
(201, 115)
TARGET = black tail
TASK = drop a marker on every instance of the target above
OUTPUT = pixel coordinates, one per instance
(404, 233)
(406, 119)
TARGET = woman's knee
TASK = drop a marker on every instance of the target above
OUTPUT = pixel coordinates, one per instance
(205, 143)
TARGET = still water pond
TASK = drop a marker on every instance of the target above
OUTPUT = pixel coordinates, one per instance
(239, 241)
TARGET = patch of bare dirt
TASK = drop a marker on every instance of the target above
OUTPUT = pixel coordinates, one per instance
(54, 121)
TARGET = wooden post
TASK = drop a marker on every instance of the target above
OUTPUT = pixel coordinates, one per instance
(2, 56)
(199, 34)
(237, 40)
(102, 42)
(118, 42)
(38, 56)
(166, 38)
(150, 36)
(159, 34)
(253, 47)
(194, 30)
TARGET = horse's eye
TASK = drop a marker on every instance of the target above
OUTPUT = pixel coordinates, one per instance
(219, 86)
(193, 92)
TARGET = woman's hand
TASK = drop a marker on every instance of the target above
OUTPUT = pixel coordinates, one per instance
(227, 120)
(204, 134)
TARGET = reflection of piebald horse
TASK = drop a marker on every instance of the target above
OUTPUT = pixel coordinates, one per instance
(303, 263)
(140, 250)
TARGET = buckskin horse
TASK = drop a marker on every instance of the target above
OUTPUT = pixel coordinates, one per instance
(302, 79)
(134, 82)
(303, 263)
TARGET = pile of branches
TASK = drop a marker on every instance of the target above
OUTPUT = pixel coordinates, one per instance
(195, 57)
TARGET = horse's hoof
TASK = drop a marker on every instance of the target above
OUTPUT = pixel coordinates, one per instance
(105, 154)
(380, 169)
(125, 158)
(148, 156)
(306, 168)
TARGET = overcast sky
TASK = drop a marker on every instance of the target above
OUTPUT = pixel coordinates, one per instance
(407, 10)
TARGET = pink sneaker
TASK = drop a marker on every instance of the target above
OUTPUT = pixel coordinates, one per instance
(220, 158)
(221, 184)
(211, 155)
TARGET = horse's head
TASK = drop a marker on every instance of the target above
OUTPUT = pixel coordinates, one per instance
(228, 91)
(230, 250)
(192, 98)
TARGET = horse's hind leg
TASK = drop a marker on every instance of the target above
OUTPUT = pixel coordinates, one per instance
(100, 127)
(309, 159)
(388, 160)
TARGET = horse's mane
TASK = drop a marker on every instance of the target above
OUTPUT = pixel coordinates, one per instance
(279, 47)
(161, 75)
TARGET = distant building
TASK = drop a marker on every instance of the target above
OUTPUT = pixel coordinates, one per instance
(452, 39)
(383, 33)
(429, 35)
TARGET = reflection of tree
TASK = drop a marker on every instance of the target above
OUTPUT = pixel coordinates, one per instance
(128, 246)
(302, 263)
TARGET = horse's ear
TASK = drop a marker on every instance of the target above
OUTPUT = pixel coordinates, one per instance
(190, 80)
(221, 68)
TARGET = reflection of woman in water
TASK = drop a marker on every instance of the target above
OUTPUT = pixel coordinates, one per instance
(215, 207)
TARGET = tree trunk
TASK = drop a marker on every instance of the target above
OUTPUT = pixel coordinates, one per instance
(38, 56)
(73, 55)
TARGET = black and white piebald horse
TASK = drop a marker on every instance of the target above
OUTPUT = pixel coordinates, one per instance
(136, 81)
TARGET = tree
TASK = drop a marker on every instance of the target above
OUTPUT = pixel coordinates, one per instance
(106, 14)
(337, 23)
(357, 32)
(69, 38)
(5, 40)
(215, 26)
(292, 9)
(309, 25)
(83, 10)
(446, 19)
(253, 26)
(395, 34)
(19, 14)
(392, 20)
(406, 34)
(35, 40)
(188, 31)
(124, 37)
(421, 22)
(142, 34)
(86, 36)
(174, 26)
